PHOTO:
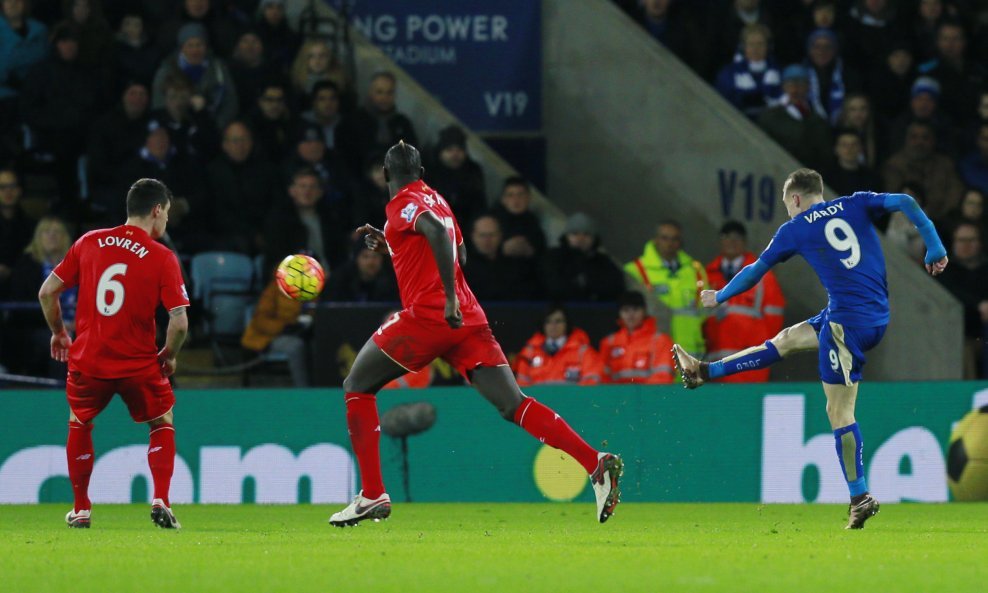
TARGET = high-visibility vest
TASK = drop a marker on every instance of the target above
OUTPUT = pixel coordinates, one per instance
(637, 356)
(745, 320)
(678, 291)
(575, 363)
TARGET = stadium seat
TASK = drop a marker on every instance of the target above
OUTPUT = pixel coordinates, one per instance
(222, 284)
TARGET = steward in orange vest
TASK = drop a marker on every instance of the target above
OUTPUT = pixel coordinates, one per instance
(749, 318)
(638, 352)
(558, 355)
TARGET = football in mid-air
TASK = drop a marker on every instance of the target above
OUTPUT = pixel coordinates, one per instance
(300, 277)
(967, 457)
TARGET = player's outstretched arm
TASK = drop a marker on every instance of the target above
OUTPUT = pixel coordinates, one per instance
(936, 255)
(445, 253)
(374, 239)
(178, 329)
(742, 281)
(51, 307)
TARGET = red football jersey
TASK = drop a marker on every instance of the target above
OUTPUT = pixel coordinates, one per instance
(418, 276)
(122, 275)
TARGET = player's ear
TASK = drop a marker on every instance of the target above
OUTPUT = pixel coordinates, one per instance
(421, 172)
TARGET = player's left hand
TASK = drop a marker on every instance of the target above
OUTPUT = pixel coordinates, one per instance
(168, 363)
(60, 344)
(937, 267)
(454, 317)
(374, 238)
(708, 298)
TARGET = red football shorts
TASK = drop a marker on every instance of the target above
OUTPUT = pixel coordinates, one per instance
(147, 396)
(414, 342)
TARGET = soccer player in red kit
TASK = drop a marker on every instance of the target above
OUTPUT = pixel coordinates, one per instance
(123, 274)
(440, 319)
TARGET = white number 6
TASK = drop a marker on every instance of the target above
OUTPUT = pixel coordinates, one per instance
(849, 242)
(108, 284)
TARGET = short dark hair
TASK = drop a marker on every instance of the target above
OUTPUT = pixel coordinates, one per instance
(515, 180)
(145, 194)
(670, 222)
(306, 172)
(403, 161)
(804, 182)
(323, 85)
(733, 226)
(384, 74)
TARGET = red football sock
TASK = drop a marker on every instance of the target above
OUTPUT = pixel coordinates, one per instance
(365, 435)
(549, 427)
(80, 455)
(161, 459)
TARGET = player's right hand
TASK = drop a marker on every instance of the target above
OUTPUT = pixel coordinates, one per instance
(60, 344)
(168, 363)
(708, 298)
(454, 317)
(374, 239)
(937, 267)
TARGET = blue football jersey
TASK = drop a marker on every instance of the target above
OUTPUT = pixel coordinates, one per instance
(838, 240)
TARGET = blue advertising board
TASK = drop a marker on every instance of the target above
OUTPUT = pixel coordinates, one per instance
(481, 59)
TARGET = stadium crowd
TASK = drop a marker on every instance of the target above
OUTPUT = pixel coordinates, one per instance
(270, 149)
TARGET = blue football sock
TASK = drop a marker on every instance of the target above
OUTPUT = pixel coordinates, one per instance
(759, 358)
(849, 453)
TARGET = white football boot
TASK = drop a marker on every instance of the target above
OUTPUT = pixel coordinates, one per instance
(163, 516)
(604, 479)
(362, 508)
(77, 520)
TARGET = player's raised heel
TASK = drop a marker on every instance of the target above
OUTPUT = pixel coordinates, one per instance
(362, 509)
(78, 520)
(861, 512)
(605, 481)
(163, 516)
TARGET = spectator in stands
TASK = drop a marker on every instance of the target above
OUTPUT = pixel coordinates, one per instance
(828, 76)
(961, 80)
(579, 270)
(215, 90)
(725, 25)
(918, 163)
(307, 224)
(135, 57)
(967, 279)
(23, 43)
(188, 217)
(523, 235)
(858, 115)
(970, 211)
(118, 134)
(190, 126)
(638, 352)
(752, 83)
(219, 30)
(95, 37)
(278, 38)
(558, 354)
(271, 121)
(241, 187)
(58, 100)
(870, 33)
(365, 277)
(794, 124)
(849, 174)
(456, 176)
(15, 227)
(278, 326)
(672, 281)
(378, 125)
(372, 195)
(924, 106)
(50, 243)
(929, 16)
(748, 318)
(890, 81)
(491, 275)
(974, 167)
(314, 63)
(668, 21)
(325, 113)
(249, 68)
(311, 153)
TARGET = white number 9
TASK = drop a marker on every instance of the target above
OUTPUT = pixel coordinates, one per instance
(834, 362)
(849, 242)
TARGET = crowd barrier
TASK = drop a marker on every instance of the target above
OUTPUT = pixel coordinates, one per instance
(745, 443)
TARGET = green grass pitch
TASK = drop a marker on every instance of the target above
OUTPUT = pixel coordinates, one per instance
(498, 547)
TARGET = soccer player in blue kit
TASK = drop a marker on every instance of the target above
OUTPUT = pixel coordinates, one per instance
(840, 243)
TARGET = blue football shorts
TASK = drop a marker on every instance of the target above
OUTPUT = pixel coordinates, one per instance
(842, 348)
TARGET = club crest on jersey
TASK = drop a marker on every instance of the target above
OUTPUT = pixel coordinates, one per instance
(408, 212)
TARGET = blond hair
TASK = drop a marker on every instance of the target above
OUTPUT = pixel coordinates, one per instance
(302, 79)
(35, 248)
(805, 182)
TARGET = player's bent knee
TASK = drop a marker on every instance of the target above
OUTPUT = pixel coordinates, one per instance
(167, 418)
